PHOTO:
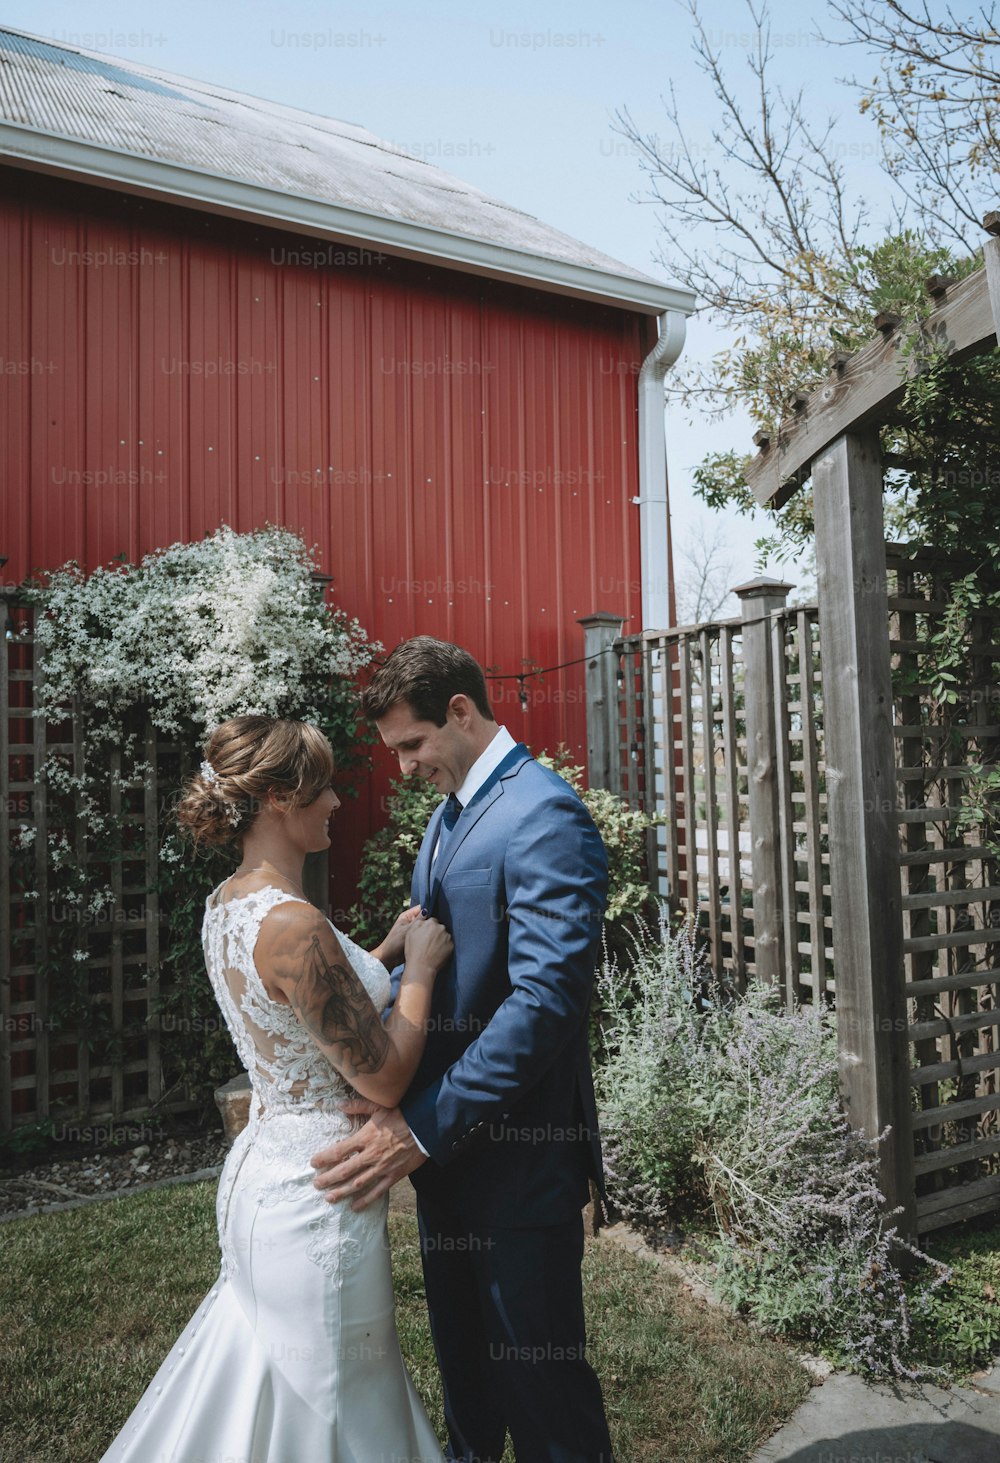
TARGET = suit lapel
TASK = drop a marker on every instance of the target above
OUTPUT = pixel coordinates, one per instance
(487, 795)
(423, 873)
(470, 817)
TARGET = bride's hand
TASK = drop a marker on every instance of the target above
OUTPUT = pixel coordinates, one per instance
(428, 944)
(390, 952)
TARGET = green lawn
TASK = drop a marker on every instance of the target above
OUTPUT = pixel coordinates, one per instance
(93, 1298)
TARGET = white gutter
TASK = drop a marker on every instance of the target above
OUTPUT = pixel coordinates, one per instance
(654, 513)
(149, 177)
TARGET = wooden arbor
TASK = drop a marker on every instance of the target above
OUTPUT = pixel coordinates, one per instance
(833, 438)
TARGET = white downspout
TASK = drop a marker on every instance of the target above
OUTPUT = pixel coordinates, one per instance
(654, 517)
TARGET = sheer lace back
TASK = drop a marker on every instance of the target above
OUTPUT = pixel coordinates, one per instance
(287, 1070)
(298, 1092)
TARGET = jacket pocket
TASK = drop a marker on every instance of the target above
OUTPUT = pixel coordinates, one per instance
(454, 877)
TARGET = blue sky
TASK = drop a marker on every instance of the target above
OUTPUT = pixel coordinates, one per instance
(517, 98)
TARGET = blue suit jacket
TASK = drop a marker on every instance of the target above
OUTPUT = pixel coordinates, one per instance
(503, 1099)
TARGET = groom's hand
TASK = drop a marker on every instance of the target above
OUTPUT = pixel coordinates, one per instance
(365, 1166)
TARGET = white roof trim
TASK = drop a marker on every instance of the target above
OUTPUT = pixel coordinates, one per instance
(69, 157)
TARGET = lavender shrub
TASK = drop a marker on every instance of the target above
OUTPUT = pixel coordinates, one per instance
(652, 1099)
(805, 1245)
(736, 1103)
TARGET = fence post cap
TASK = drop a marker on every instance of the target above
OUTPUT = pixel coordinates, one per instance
(754, 588)
(601, 617)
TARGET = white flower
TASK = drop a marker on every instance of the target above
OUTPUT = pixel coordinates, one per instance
(194, 634)
(201, 631)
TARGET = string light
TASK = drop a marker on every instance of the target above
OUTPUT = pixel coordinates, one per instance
(521, 676)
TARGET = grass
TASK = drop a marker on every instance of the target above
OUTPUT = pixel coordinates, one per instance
(93, 1298)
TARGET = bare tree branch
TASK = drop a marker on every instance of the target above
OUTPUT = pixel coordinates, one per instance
(705, 573)
(937, 105)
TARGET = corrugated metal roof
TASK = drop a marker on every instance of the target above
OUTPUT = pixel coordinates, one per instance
(59, 92)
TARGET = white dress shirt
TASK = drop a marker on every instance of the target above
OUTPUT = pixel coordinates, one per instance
(480, 770)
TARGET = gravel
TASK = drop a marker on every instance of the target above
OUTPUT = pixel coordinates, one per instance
(107, 1171)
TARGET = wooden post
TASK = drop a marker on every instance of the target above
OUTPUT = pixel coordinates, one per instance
(151, 834)
(759, 598)
(991, 260)
(861, 808)
(600, 633)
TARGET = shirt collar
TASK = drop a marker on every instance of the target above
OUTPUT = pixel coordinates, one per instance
(484, 764)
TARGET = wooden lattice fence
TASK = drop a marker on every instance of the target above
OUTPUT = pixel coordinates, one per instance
(683, 706)
(723, 728)
(92, 1025)
(950, 883)
(80, 1031)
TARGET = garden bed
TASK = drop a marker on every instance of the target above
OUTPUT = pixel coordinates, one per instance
(29, 1184)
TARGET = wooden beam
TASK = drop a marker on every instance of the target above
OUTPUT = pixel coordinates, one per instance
(861, 807)
(869, 385)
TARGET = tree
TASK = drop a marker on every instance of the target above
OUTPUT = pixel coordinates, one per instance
(782, 236)
(705, 578)
(783, 256)
(936, 100)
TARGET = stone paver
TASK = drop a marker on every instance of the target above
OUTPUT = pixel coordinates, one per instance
(847, 1420)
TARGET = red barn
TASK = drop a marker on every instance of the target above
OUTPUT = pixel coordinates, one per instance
(218, 309)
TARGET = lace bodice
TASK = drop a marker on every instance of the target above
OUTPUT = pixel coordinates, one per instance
(287, 1069)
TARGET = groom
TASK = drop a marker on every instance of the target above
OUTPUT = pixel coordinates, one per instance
(499, 1127)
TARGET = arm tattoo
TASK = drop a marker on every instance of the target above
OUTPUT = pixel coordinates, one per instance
(339, 1012)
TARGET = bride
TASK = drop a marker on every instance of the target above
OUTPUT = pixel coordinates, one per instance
(293, 1356)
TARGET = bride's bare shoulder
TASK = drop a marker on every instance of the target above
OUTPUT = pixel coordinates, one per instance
(240, 884)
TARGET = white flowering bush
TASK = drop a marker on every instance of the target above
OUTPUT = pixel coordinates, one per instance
(194, 634)
(197, 633)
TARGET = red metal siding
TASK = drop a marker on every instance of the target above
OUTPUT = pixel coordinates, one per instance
(462, 452)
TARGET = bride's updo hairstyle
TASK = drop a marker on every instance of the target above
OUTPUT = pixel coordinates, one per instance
(244, 760)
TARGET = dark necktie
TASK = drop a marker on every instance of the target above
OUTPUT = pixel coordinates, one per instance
(450, 816)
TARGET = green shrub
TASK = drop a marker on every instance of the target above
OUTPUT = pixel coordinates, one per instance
(390, 855)
(805, 1244)
(26, 1140)
(958, 1321)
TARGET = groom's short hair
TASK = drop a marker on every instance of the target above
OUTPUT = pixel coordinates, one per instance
(426, 673)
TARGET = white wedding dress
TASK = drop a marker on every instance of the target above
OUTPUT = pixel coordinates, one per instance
(293, 1356)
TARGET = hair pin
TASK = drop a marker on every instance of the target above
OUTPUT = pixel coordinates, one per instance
(209, 773)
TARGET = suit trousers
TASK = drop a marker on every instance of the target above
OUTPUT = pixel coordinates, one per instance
(506, 1311)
